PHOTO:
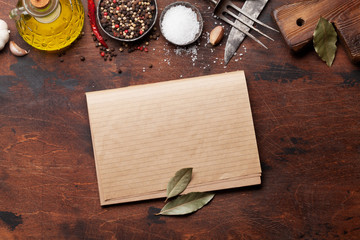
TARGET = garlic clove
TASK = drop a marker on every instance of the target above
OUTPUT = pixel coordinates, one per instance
(16, 50)
(216, 35)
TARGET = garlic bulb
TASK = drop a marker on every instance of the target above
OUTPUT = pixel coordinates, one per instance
(16, 50)
(4, 34)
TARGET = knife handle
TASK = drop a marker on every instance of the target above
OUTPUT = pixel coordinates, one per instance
(297, 21)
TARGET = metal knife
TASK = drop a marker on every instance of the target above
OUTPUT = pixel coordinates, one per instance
(253, 8)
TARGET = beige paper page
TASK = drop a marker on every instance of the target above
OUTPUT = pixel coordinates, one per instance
(143, 134)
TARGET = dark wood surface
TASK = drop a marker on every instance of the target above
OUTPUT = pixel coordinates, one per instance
(306, 118)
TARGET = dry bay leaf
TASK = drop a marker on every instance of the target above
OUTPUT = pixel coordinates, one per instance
(187, 203)
(179, 182)
(324, 40)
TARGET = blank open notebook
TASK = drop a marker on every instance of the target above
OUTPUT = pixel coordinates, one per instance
(143, 134)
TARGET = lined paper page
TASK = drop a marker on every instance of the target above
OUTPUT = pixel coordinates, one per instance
(143, 134)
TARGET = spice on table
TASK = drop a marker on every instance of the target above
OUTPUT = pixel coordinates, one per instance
(180, 25)
(91, 11)
(16, 50)
(61, 54)
(127, 19)
(82, 58)
(216, 35)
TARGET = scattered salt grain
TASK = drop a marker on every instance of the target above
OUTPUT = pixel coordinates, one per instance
(180, 25)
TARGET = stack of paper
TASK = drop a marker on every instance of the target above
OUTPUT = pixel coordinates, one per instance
(143, 134)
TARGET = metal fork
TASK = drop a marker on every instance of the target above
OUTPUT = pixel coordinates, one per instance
(222, 9)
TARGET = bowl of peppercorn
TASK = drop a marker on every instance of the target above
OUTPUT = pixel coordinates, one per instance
(127, 20)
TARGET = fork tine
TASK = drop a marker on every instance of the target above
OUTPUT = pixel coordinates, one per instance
(250, 17)
(238, 27)
(249, 25)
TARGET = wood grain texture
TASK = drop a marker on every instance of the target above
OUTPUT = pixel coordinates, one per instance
(297, 21)
(348, 26)
(306, 117)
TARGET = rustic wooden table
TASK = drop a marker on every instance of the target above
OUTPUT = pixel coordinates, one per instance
(306, 118)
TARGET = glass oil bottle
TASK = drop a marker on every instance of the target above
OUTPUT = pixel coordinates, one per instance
(49, 25)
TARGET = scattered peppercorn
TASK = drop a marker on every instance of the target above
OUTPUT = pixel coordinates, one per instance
(61, 54)
(82, 58)
(150, 66)
(119, 71)
(127, 19)
(109, 53)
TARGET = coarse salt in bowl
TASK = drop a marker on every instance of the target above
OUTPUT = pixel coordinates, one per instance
(181, 23)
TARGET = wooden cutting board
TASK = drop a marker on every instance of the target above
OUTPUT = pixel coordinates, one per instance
(297, 22)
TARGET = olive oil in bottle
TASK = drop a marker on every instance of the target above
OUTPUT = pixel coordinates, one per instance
(49, 25)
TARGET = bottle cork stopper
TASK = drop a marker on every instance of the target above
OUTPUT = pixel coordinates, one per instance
(39, 3)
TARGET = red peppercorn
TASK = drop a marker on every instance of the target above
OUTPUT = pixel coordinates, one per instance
(141, 48)
(118, 8)
(114, 1)
(102, 54)
(141, 32)
(117, 26)
(146, 50)
(126, 31)
(105, 14)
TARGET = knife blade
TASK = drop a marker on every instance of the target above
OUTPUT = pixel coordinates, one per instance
(253, 8)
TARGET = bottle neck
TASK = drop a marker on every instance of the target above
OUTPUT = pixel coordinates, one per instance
(40, 8)
(44, 11)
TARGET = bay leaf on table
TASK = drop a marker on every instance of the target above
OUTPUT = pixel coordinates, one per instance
(324, 40)
(187, 203)
(178, 183)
